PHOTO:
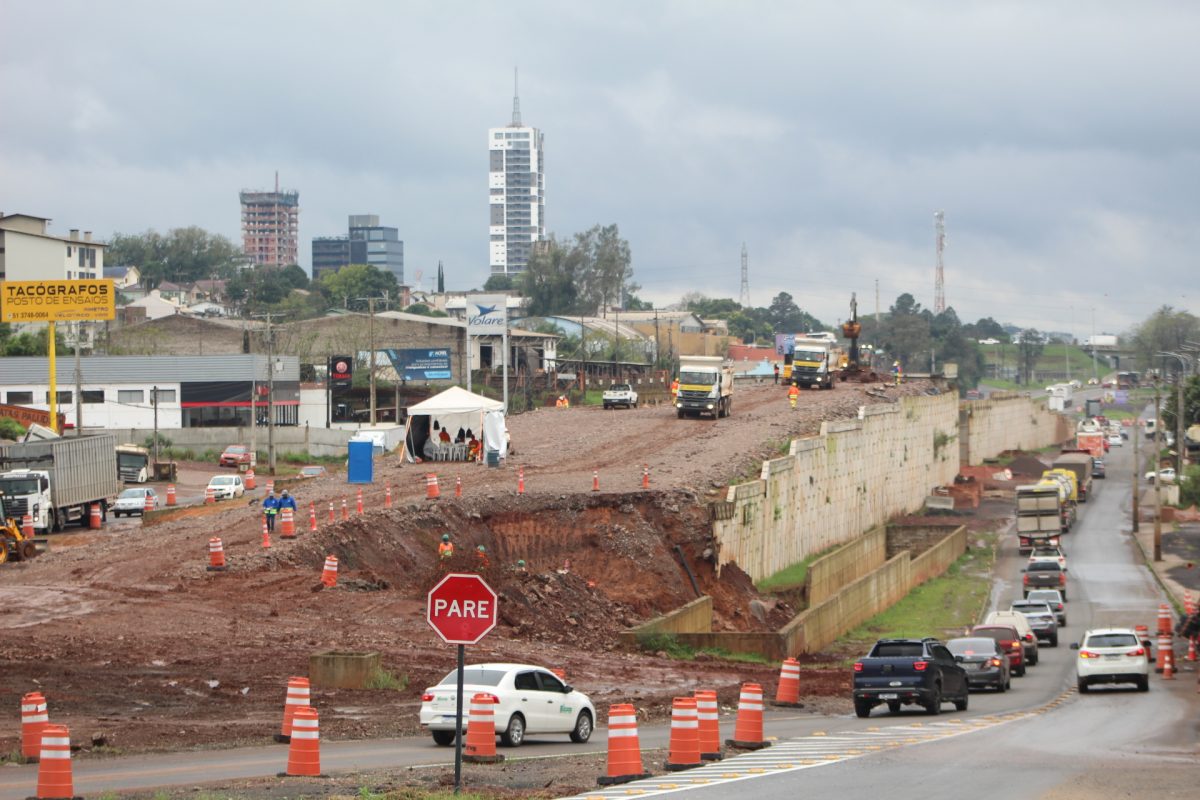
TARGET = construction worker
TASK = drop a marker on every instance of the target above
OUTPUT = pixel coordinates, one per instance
(897, 372)
(776, 374)
(270, 507)
(674, 388)
(481, 558)
(521, 565)
(793, 394)
(445, 549)
(286, 501)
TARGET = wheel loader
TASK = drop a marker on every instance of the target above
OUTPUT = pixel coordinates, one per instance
(14, 545)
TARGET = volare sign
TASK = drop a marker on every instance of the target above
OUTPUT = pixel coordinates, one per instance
(486, 314)
(57, 301)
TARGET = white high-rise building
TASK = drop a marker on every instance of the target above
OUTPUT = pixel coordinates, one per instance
(517, 190)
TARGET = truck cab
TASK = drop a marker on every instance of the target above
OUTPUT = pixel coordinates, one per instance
(814, 362)
(27, 491)
(705, 387)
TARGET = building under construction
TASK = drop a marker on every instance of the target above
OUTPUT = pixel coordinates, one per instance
(271, 226)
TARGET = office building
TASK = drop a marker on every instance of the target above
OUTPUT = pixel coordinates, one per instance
(367, 242)
(29, 252)
(271, 226)
(516, 190)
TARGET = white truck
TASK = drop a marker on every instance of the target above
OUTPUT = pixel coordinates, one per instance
(705, 387)
(57, 480)
(620, 394)
(816, 361)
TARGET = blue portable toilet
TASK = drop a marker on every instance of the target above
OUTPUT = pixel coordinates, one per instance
(361, 465)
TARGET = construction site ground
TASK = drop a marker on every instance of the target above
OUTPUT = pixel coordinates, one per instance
(138, 647)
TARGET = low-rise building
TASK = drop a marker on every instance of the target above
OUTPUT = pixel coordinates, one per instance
(29, 252)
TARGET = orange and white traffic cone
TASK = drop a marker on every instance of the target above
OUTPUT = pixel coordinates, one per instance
(709, 725)
(645, 476)
(287, 524)
(387, 497)
(1164, 647)
(304, 752)
(624, 752)
(249, 479)
(684, 749)
(27, 526)
(748, 731)
(95, 517)
(480, 745)
(787, 694)
(270, 486)
(595, 480)
(54, 765)
(458, 487)
(266, 535)
(358, 502)
(149, 505)
(298, 694)
(1188, 608)
(171, 498)
(312, 517)
(216, 555)
(1169, 668)
(1191, 653)
(561, 674)
(332, 518)
(210, 496)
(329, 573)
(345, 510)
(432, 492)
(1164, 619)
(520, 480)
(34, 719)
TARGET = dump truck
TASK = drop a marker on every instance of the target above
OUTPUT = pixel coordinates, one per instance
(133, 463)
(816, 361)
(1041, 514)
(57, 480)
(1079, 462)
(705, 387)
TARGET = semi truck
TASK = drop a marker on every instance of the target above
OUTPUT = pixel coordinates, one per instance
(133, 463)
(705, 387)
(1079, 462)
(1043, 514)
(57, 480)
(816, 361)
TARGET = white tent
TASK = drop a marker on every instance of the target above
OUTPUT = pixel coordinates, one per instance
(453, 409)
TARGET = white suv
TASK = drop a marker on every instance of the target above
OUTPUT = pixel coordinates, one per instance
(1112, 655)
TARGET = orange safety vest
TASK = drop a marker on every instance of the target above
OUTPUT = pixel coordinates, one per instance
(445, 550)
(794, 391)
(674, 387)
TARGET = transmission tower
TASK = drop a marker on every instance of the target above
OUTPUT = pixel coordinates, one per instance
(939, 282)
(745, 298)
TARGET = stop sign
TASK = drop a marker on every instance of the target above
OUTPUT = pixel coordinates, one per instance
(462, 608)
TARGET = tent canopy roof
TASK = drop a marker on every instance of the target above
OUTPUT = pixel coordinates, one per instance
(455, 400)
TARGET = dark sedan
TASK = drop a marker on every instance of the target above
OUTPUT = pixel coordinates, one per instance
(986, 663)
(1097, 467)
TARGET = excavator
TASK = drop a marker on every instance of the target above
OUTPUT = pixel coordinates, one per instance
(854, 368)
(14, 545)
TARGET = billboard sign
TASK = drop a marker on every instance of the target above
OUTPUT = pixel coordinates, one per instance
(421, 365)
(341, 371)
(57, 301)
(785, 343)
(487, 314)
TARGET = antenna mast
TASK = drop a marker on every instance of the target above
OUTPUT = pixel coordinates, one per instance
(939, 282)
(745, 296)
(516, 123)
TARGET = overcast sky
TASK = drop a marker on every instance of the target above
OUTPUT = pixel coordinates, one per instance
(1060, 138)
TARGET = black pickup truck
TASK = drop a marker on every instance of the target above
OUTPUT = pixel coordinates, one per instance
(909, 672)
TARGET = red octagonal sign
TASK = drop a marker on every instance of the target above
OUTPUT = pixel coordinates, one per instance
(462, 608)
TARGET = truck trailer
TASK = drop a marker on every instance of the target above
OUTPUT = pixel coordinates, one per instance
(56, 481)
(1079, 462)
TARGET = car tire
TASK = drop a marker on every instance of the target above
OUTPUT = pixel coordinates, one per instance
(634, 405)
(893, 706)
(862, 709)
(443, 738)
(1054, 641)
(514, 734)
(583, 728)
(1021, 670)
(679, 414)
(1033, 660)
(1082, 684)
(961, 705)
(935, 707)
(1143, 683)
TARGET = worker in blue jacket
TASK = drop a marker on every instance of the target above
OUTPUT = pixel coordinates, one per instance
(270, 507)
(286, 501)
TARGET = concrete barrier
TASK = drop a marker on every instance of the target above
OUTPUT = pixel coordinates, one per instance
(335, 669)
(845, 565)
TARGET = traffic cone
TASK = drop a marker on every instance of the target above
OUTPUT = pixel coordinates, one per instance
(149, 505)
(1164, 619)
(304, 752)
(748, 731)
(1191, 653)
(27, 526)
(787, 694)
(249, 479)
(34, 720)
(270, 486)
(709, 725)
(432, 492)
(54, 765)
(595, 480)
(331, 516)
(387, 497)
(458, 487)
(684, 750)
(216, 555)
(1169, 668)
(312, 517)
(345, 510)
(624, 752)
(480, 745)
(329, 574)
(287, 524)
(520, 480)
(645, 476)
(266, 534)
(1164, 647)
(358, 501)
(561, 674)
(210, 496)
(298, 692)
(1188, 608)
(171, 494)
(95, 517)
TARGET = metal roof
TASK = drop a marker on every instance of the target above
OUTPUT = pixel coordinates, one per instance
(146, 369)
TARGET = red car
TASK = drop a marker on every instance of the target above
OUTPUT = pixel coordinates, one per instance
(1009, 641)
(235, 455)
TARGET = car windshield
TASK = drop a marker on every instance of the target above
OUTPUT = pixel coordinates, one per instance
(697, 378)
(997, 634)
(129, 493)
(222, 480)
(1111, 640)
(476, 676)
(234, 449)
(809, 355)
(1046, 596)
(620, 387)
(1044, 566)
(898, 650)
(17, 486)
(971, 647)
(1031, 608)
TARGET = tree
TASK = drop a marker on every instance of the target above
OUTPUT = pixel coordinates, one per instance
(593, 272)
(551, 280)
(500, 283)
(1191, 405)
(265, 286)
(1166, 330)
(906, 333)
(183, 255)
(425, 311)
(1029, 350)
(356, 281)
(785, 316)
(11, 429)
(986, 328)
(710, 307)
(441, 280)
(32, 343)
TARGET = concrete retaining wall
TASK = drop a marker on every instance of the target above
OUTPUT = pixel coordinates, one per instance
(289, 439)
(937, 559)
(847, 564)
(1010, 422)
(851, 477)
(695, 616)
(851, 606)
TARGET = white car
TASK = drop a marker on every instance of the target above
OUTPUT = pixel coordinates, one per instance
(1045, 553)
(529, 700)
(226, 487)
(1112, 655)
(133, 501)
(1115, 440)
(1164, 475)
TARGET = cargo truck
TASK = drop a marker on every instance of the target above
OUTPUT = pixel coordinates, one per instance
(705, 387)
(816, 361)
(133, 463)
(57, 480)
(1090, 443)
(1043, 514)
(1079, 462)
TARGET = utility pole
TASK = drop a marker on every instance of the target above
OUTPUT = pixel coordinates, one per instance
(371, 356)
(270, 390)
(1157, 482)
(1137, 452)
(78, 382)
(154, 402)
(1095, 372)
